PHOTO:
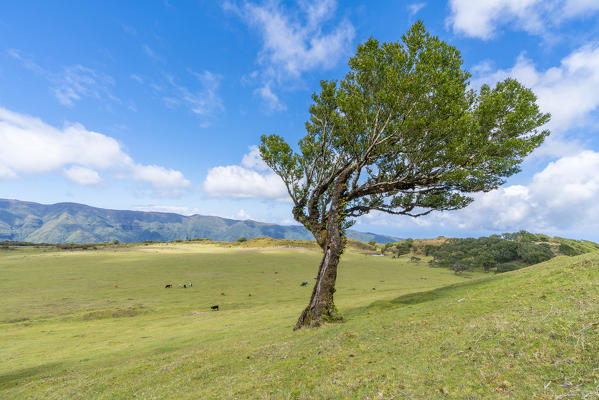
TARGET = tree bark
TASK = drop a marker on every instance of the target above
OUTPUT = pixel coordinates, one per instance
(321, 307)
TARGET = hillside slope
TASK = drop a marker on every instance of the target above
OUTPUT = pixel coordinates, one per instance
(526, 334)
(79, 223)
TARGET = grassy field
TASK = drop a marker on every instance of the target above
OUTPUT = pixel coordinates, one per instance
(100, 324)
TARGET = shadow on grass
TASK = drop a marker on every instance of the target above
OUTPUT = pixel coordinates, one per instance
(16, 377)
(416, 298)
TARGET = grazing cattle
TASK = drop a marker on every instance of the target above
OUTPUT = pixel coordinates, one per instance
(373, 288)
(304, 283)
(184, 286)
(214, 308)
(190, 285)
(168, 286)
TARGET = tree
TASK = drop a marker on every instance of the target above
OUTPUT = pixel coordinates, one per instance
(403, 247)
(402, 134)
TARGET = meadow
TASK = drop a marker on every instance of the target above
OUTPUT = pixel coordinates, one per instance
(100, 324)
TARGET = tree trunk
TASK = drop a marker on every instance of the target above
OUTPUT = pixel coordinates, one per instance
(321, 307)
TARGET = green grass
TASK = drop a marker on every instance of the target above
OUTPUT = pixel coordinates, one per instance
(101, 325)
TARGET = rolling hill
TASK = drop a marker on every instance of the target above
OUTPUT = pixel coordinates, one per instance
(100, 324)
(79, 223)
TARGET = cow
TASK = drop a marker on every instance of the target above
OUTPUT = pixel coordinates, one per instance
(190, 285)
(168, 286)
(214, 308)
(184, 286)
(304, 284)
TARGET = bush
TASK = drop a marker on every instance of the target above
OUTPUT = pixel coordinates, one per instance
(460, 267)
(241, 239)
(403, 247)
(532, 253)
(568, 250)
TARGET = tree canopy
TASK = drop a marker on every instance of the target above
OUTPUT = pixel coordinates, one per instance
(403, 133)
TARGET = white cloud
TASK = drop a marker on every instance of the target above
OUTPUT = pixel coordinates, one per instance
(253, 180)
(7, 173)
(271, 100)
(242, 215)
(137, 78)
(237, 182)
(152, 54)
(564, 91)
(182, 210)
(77, 82)
(82, 175)
(480, 19)
(253, 160)
(73, 83)
(31, 146)
(560, 198)
(204, 102)
(294, 41)
(414, 8)
(167, 182)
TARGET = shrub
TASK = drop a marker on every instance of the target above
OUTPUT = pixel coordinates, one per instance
(241, 239)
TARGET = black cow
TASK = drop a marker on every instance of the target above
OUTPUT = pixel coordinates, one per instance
(184, 286)
(304, 284)
(214, 308)
(168, 286)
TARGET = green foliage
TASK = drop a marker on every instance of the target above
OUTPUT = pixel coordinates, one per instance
(403, 134)
(115, 241)
(460, 266)
(532, 253)
(568, 250)
(490, 252)
(241, 239)
(403, 247)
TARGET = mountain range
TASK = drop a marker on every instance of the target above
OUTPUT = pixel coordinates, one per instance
(79, 223)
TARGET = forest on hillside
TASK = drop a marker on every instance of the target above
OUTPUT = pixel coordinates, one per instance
(499, 253)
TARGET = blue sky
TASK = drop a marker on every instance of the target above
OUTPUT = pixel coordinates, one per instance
(157, 107)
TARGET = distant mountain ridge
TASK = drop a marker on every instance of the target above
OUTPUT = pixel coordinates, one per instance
(79, 223)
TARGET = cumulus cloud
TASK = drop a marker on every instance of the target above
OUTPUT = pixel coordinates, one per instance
(253, 160)
(82, 175)
(562, 90)
(294, 41)
(481, 19)
(252, 180)
(167, 182)
(560, 198)
(31, 146)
